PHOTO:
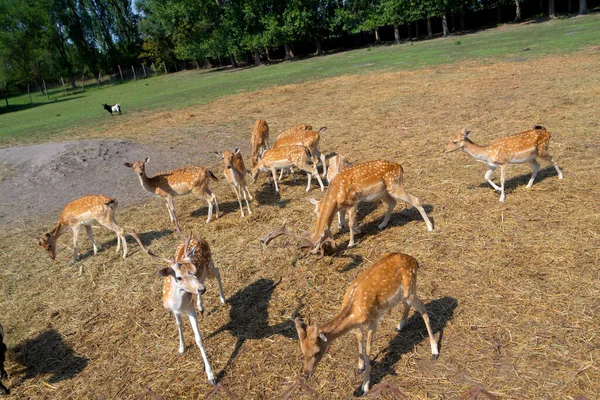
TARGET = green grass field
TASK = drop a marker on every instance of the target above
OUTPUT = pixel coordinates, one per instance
(66, 115)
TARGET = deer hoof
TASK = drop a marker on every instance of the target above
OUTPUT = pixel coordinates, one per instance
(435, 356)
(212, 381)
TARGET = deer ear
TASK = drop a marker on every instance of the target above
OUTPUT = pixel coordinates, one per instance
(166, 271)
(322, 336)
(466, 132)
(312, 201)
(219, 154)
(300, 328)
(146, 160)
(237, 150)
(128, 164)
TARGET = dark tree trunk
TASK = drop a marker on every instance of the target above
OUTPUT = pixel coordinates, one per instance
(416, 30)
(569, 7)
(288, 56)
(319, 49)
(551, 10)
(409, 33)
(256, 55)
(377, 39)
(445, 26)
(462, 21)
(583, 7)
(234, 64)
(498, 14)
(453, 23)
(429, 30)
(73, 84)
(268, 53)
(518, 11)
(396, 34)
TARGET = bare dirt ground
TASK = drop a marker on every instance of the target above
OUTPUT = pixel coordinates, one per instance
(512, 288)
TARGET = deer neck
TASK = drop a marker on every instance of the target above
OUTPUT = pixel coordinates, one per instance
(56, 232)
(341, 324)
(474, 150)
(146, 182)
(325, 217)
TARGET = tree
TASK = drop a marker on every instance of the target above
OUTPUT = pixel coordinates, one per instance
(583, 7)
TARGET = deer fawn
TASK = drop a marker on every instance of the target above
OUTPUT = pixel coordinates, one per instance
(307, 138)
(259, 140)
(286, 157)
(368, 182)
(179, 182)
(391, 280)
(235, 172)
(521, 148)
(84, 211)
(183, 277)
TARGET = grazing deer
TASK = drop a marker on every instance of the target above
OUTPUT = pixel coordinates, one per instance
(84, 211)
(391, 280)
(259, 140)
(307, 138)
(286, 157)
(179, 182)
(365, 182)
(293, 130)
(3, 374)
(337, 164)
(183, 277)
(521, 148)
(235, 172)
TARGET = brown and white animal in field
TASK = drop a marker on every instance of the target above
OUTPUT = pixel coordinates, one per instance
(293, 130)
(179, 182)
(112, 109)
(307, 138)
(391, 280)
(521, 148)
(337, 164)
(259, 140)
(287, 157)
(235, 172)
(3, 374)
(365, 182)
(184, 277)
(85, 212)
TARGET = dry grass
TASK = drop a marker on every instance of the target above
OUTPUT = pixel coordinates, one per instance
(514, 287)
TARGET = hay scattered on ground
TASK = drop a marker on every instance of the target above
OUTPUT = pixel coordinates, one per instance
(514, 287)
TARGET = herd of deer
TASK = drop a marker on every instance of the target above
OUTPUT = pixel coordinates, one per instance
(389, 281)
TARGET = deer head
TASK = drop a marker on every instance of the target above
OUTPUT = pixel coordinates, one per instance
(317, 247)
(48, 243)
(139, 167)
(313, 344)
(457, 142)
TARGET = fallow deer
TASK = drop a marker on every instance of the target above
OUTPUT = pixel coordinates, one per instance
(391, 280)
(84, 211)
(235, 172)
(293, 130)
(179, 182)
(286, 157)
(259, 140)
(337, 164)
(307, 138)
(3, 374)
(521, 148)
(365, 182)
(183, 277)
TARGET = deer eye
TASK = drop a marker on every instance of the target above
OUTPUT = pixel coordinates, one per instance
(179, 278)
(318, 353)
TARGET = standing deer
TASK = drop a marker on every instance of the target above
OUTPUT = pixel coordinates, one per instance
(365, 182)
(259, 140)
(183, 277)
(293, 130)
(391, 280)
(286, 157)
(337, 164)
(235, 172)
(179, 182)
(307, 138)
(84, 211)
(521, 148)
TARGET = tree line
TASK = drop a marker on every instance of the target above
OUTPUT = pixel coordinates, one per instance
(45, 40)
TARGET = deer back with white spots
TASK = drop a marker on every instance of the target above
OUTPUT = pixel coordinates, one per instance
(85, 212)
(259, 140)
(391, 280)
(521, 148)
(307, 138)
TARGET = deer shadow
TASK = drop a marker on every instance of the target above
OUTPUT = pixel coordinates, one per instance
(227, 207)
(522, 180)
(249, 318)
(440, 311)
(355, 261)
(147, 238)
(48, 354)
(267, 195)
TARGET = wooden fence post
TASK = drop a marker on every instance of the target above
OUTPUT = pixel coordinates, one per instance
(29, 93)
(64, 87)
(166, 72)
(121, 73)
(144, 69)
(46, 90)
(134, 75)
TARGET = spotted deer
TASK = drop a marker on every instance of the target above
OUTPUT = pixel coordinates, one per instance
(391, 280)
(259, 140)
(337, 164)
(179, 182)
(307, 138)
(3, 374)
(184, 276)
(235, 172)
(521, 148)
(294, 130)
(286, 157)
(365, 182)
(85, 212)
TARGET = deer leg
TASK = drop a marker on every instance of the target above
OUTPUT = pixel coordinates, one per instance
(171, 207)
(236, 189)
(391, 203)
(194, 323)
(248, 191)
(244, 190)
(75, 240)
(88, 230)
(324, 162)
(214, 199)
(420, 307)
(110, 223)
(361, 360)
(341, 217)
(556, 167)
(274, 173)
(180, 331)
(488, 175)
(403, 320)
(218, 276)
(401, 194)
(535, 166)
(503, 169)
(351, 222)
(367, 355)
